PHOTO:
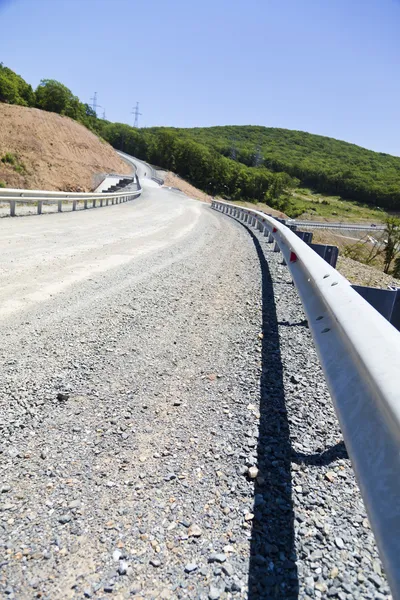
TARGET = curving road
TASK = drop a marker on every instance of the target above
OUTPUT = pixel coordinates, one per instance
(152, 360)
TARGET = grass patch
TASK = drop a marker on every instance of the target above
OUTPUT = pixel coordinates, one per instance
(306, 205)
(334, 208)
(11, 159)
(2, 184)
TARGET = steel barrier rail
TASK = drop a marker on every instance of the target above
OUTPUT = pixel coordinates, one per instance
(349, 226)
(359, 352)
(13, 197)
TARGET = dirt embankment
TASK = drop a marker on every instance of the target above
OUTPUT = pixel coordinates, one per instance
(52, 152)
(173, 180)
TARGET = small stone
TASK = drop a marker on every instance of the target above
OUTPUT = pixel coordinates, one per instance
(62, 396)
(155, 562)
(376, 565)
(228, 569)
(43, 454)
(248, 517)
(123, 568)
(252, 472)
(214, 593)
(309, 585)
(320, 586)
(294, 379)
(366, 524)
(177, 403)
(236, 587)
(108, 588)
(87, 593)
(339, 543)
(5, 489)
(330, 476)
(194, 531)
(217, 557)
(74, 504)
(64, 519)
(116, 555)
(190, 567)
(334, 573)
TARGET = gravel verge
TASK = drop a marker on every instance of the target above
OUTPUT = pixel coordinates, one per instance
(167, 433)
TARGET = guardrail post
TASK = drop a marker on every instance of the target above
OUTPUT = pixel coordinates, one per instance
(276, 247)
(94, 203)
(74, 205)
(101, 201)
(106, 201)
(12, 208)
(270, 238)
(85, 204)
(39, 207)
(59, 205)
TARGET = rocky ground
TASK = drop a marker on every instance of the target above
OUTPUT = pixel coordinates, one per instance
(166, 432)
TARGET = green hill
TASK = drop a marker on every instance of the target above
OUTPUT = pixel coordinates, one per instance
(323, 164)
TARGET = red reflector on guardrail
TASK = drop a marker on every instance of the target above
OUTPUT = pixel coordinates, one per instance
(293, 257)
(274, 230)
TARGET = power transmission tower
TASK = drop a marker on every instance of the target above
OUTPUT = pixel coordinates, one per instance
(258, 157)
(137, 114)
(233, 149)
(95, 106)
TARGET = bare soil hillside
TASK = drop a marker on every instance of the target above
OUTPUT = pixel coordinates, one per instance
(47, 151)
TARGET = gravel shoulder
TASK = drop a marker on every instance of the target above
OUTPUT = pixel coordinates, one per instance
(166, 431)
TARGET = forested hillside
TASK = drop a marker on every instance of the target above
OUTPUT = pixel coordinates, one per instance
(240, 162)
(324, 164)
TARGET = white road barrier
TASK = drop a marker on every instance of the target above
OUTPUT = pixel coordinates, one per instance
(359, 351)
(40, 197)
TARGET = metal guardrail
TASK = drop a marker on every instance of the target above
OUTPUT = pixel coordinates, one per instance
(341, 225)
(359, 352)
(15, 196)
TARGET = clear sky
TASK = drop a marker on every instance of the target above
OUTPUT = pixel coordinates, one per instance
(325, 66)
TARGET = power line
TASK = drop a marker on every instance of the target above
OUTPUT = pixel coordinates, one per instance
(137, 114)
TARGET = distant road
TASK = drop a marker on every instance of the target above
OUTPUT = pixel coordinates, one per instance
(341, 225)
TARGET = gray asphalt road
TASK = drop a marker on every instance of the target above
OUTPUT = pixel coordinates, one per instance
(165, 429)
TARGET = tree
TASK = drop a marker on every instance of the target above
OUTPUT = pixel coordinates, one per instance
(13, 89)
(396, 269)
(392, 243)
(53, 96)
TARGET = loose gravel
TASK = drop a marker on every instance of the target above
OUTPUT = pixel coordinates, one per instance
(176, 439)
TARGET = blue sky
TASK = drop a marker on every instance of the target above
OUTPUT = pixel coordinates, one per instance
(325, 66)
